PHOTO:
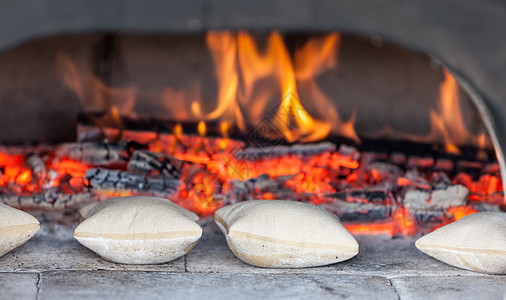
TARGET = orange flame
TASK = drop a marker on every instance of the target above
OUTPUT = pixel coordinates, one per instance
(447, 122)
(237, 57)
(292, 118)
(240, 67)
(93, 93)
(223, 47)
(313, 59)
(201, 128)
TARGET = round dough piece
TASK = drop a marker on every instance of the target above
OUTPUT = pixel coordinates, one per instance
(16, 227)
(138, 230)
(476, 242)
(285, 234)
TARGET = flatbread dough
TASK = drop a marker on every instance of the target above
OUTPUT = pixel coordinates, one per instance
(476, 242)
(138, 230)
(285, 234)
(16, 227)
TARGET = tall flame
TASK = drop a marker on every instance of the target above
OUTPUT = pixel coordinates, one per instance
(251, 75)
(223, 47)
(292, 117)
(240, 65)
(449, 121)
(313, 59)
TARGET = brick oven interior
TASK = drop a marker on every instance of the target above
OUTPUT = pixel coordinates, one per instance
(405, 135)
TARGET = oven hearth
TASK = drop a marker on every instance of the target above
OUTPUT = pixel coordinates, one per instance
(395, 126)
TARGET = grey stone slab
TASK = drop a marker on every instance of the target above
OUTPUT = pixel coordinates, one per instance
(382, 255)
(161, 285)
(378, 255)
(18, 286)
(450, 287)
(54, 248)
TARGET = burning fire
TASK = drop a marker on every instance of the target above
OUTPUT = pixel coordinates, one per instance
(250, 75)
(259, 81)
(254, 84)
(449, 121)
(215, 171)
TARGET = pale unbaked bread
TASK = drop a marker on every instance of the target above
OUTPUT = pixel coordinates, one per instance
(284, 234)
(476, 242)
(138, 230)
(16, 227)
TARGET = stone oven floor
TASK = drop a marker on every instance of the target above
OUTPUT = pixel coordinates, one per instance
(53, 265)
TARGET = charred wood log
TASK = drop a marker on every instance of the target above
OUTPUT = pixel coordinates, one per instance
(425, 206)
(49, 200)
(366, 195)
(37, 166)
(260, 153)
(116, 180)
(439, 180)
(97, 153)
(352, 211)
(148, 162)
(453, 196)
(256, 188)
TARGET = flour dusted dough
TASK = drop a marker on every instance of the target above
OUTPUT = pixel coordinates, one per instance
(16, 227)
(138, 230)
(284, 234)
(476, 242)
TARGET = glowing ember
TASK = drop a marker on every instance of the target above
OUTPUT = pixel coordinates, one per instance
(212, 173)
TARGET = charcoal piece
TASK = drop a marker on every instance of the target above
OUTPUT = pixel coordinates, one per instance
(265, 185)
(337, 196)
(103, 179)
(440, 200)
(492, 169)
(398, 159)
(350, 211)
(472, 168)
(260, 153)
(349, 151)
(429, 216)
(237, 192)
(376, 195)
(415, 180)
(421, 163)
(368, 157)
(386, 171)
(445, 165)
(37, 166)
(254, 188)
(366, 195)
(484, 206)
(156, 184)
(91, 173)
(49, 200)
(439, 180)
(455, 195)
(313, 149)
(147, 162)
(416, 200)
(96, 153)
(302, 150)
